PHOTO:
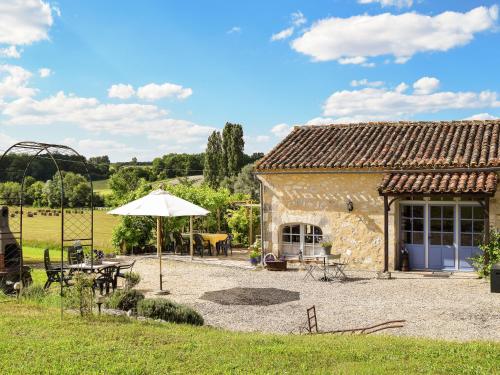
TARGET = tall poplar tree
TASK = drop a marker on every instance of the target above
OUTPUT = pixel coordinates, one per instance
(213, 170)
(233, 146)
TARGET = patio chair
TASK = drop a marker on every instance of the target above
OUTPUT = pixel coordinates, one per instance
(180, 245)
(310, 264)
(121, 271)
(75, 255)
(199, 246)
(54, 273)
(340, 263)
(105, 278)
(226, 245)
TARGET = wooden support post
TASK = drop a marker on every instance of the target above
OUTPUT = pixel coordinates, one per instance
(191, 247)
(486, 227)
(250, 235)
(386, 234)
(159, 246)
(218, 219)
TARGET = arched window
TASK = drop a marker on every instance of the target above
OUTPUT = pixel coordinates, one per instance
(301, 237)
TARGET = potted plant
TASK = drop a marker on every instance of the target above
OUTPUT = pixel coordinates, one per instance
(255, 253)
(327, 247)
(98, 257)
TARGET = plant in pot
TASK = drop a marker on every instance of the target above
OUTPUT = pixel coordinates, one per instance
(255, 253)
(327, 247)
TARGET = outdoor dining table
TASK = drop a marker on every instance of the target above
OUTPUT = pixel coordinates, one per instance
(92, 268)
(213, 238)
(318, 259)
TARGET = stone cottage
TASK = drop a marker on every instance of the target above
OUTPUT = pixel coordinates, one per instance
(376, 188)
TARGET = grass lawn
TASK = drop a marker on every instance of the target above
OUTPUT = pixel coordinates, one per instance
(35, 255)
(45, 231)
(34, 339)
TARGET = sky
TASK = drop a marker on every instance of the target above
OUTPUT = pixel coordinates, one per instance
(145, 78)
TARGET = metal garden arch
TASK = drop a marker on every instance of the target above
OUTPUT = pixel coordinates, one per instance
(76, 223)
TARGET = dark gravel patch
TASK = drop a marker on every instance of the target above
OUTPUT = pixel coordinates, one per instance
(251, 296)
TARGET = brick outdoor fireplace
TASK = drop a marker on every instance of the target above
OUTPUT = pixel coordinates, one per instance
(10, 253)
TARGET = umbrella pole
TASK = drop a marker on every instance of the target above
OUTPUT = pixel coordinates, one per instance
(191, 249)
(158, 246)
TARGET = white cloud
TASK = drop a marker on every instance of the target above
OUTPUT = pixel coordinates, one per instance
(14, 82)
(24, 22)
(121, 91)
(320, 121)
(6, 141)
(44, 72)
(376, 104)
(365, 82)
(425, 85)
(155, 91)
(385, 3)
(11, 52)
(298, 18)
(234, 30)
(121, 119)
(283, 34)
(20, 107)
(481, 116)
(98, 147)
(349, 40)
(402, 87)
(281, 130)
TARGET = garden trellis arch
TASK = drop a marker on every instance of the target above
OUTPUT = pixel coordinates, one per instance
(76, 223)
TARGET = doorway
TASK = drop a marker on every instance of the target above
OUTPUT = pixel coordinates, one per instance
(441, 235)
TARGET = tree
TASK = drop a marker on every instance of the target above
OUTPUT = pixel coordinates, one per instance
(213, 170)
(125, 180)
(233, 146)
(247, 183)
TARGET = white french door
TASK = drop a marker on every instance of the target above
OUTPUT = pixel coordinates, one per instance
(441, 235)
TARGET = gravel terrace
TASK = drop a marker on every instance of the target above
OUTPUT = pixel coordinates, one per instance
(456, 308)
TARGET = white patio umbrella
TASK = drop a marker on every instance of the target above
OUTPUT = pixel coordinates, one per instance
(161, 204)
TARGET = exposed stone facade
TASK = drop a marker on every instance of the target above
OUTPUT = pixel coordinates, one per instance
(320, 199)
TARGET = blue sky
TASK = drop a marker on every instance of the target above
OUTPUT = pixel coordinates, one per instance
(129, 78)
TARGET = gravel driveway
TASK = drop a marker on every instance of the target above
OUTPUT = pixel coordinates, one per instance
(456, 308)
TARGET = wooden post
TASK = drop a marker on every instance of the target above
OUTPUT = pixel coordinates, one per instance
(250, 235)
(486, 227)
(191, 248)
(218, 219)
(386, 234)
(158, 246)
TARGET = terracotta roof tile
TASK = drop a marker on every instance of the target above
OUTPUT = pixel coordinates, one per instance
(388, 146)
(426, 183)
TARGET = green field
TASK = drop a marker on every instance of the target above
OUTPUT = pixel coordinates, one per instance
(102, 187)
(34, 340)
(45, 231)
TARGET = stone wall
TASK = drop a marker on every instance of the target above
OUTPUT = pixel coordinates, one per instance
(320, 199)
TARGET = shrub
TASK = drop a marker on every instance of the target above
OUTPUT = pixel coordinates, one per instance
(169, 311)
(126, 299)
(491, 250)
(132, 279)
(33, 293)
(81, 294)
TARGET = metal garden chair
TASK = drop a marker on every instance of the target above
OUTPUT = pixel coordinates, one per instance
(122, 271)
(105, 278)
(54, 273)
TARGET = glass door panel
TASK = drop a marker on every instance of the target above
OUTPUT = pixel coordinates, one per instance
(471, 235)
(441, 253)
(412, 234)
